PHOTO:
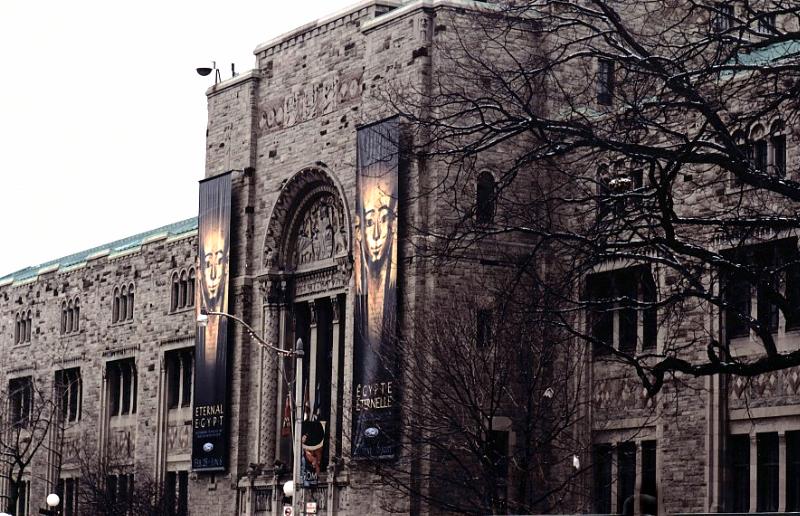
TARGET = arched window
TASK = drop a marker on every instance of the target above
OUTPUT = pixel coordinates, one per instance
(190, 289)
(778, 143)
(76, 316)
(115, 309)
(173, 298)
(183, 289)
(760, 149)
(183, 286)
(123, 303)
(129, 311)
(28, 324)
(485, 198)
(64, 317)
(70, 316)
(17, 328)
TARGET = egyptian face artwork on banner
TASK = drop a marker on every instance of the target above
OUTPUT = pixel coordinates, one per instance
(209, 429)
(376, 393)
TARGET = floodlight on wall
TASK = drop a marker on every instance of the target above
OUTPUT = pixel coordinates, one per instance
(205, 71)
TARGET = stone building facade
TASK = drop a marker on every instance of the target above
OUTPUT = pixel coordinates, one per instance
(118, 321)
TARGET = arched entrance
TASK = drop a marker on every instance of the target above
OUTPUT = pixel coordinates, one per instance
(306, 269)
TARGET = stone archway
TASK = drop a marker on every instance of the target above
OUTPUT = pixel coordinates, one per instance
(309, 223)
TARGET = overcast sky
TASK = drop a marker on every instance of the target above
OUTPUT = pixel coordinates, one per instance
(103, 117)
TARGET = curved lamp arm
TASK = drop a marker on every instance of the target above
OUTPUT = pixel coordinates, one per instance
(202, 320)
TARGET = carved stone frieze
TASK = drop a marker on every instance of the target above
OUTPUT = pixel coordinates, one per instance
(321, 233)
(775, 384)
(320, 282)
(620, 393)
(179, 439)
(309, 223)
(309, 101)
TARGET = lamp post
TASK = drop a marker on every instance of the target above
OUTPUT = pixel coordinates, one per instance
(298, 354)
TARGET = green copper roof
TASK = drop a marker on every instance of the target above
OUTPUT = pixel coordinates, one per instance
(118, 246)
(771, 54)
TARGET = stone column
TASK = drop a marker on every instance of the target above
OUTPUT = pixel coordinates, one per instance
(313, 345)
(333, 429)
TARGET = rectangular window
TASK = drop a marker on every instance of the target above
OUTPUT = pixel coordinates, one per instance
(180, 366)
(760, 156)
(779, 155)
(767, 472)
(723, 16)
(649, 468)
(626, 473)
(605, 82)
(793, 471)
(20, 393)
(484, 330)
(22, 490)
(498, 454)
(766, 23)
(601, 476)
(70, 386)
(68, 493)
(739, 468)
(122, 384)
(737, 296)
(620, 304)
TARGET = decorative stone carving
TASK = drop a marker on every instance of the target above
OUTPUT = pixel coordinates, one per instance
(178, 439)
(321, 233)
(620, 393)
(308, 223)
(306, 103)
(335, 308)
(120, 444)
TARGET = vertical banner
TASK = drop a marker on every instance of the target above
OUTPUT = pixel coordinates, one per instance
(209, 428)
(376, 393)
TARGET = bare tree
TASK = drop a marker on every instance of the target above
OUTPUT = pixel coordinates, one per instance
(28, 416)
(491, 413)
(644, 134)
(108, 486)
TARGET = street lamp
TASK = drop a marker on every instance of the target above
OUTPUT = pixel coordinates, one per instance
(289, 488)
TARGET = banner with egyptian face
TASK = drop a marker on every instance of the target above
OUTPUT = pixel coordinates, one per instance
(375, 389)
(210, 413)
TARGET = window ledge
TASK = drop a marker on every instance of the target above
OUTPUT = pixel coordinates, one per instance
(124, 322)
(182, 310)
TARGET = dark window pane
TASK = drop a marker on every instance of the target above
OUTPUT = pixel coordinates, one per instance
(739, 468)
(767, 472)
(650, 315)
(793, 471)
(187, 378)
(183, 493)
(626, 473)
(767, 311)
(127, 382)
(605, 82)
(485, 201)
(779, 155)
(626, 290)
(484, 330)
(601, 473)
(649, 467)
(601, 315)
(760, 155)
(173, 380)
(738, 298)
